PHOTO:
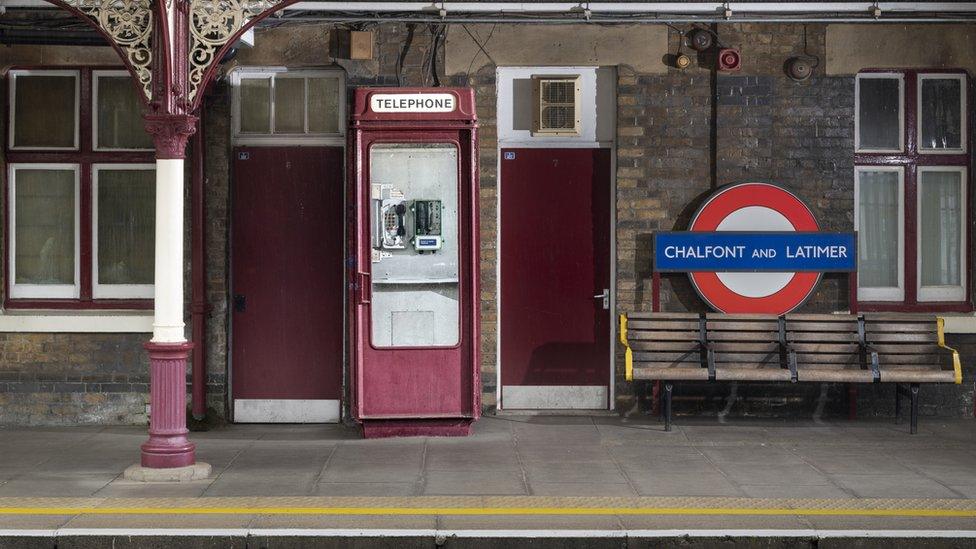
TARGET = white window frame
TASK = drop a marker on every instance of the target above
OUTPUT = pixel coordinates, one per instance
(941, 293)
(887, 293)
(96, 74)
(12, 107)
(272, 138)
(113, 291)
(901, 110)
(41, 291)
(963, 118)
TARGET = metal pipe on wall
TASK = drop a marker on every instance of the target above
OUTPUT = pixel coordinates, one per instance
(198, 273)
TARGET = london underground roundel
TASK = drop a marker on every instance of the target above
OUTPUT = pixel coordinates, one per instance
(754, 207)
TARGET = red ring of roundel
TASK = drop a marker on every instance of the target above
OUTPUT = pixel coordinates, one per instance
(717, 208)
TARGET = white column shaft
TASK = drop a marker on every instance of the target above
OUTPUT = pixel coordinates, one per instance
(168, 322)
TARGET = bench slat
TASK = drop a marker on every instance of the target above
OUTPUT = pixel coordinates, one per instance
(814, 347)
(641, 356)
(821, 326)
(743, 336)
(900, 328)
(840, 337)
(741, 326)
(659, 316)
(671, 374)
(637, 325)
(658, 335)
(750, 347)
(664, 345)
(901, 338)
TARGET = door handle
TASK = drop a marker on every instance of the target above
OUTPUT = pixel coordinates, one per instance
(240, 303)
(605, 296)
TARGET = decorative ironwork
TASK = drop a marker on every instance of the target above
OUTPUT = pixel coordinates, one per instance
(129, 24)
(212, 24)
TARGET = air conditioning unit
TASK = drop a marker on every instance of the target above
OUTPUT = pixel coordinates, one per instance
(557, 105)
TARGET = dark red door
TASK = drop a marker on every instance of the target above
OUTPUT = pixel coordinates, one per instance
(287, 289)
(555, 260)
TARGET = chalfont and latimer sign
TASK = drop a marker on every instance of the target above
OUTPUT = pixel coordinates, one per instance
(754, 248)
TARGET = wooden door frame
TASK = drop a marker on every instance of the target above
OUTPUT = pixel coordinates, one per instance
(520, 144)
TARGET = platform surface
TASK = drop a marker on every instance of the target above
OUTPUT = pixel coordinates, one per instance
(545, 476)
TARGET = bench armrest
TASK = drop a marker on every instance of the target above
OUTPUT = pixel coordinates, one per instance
(956, 364)
(628, 353)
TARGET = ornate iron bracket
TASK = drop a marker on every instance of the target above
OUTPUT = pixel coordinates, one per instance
(129, 24)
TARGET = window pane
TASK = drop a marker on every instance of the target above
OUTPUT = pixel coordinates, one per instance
(415, 245)
(877, 229)
(940, 223)
(941, 114)
(256, 105)
(126, 226)
(323, 105)
(289, 105)
(44, 114)
(120, 115)
(44, 216)
(879, 111)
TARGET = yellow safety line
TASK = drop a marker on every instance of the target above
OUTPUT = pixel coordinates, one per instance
(628, 354)
(956, 364)
(482, 511)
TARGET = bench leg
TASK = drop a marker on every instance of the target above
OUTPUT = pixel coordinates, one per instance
(667, 405)
(897, 404)
(914, 427)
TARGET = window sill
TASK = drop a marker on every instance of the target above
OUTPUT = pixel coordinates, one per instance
(76, 321)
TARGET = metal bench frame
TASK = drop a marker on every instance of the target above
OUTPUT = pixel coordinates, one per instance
(869, 359)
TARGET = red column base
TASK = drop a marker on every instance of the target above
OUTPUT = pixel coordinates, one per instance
(168, 446)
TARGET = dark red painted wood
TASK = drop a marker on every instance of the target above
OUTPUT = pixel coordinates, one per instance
(421, 387)
(910, 159)
(85, 156)
(555, 256)
(287, 262)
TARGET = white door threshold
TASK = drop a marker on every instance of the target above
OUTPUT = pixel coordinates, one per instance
(554, 397)
(248, 410)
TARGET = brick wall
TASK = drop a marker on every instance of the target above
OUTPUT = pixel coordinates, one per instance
(680, 134)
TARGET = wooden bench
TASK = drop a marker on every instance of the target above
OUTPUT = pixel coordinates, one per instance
(826, 348)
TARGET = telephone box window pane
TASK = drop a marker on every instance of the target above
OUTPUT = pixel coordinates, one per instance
(44, 111)
(879, 108)
(256, 105)
(414, 245)
(941, 114)
(126, 226)
(877, 229)
(940, 225)
(44, 224)
(120, 115)
(289, 105)
(323, 105)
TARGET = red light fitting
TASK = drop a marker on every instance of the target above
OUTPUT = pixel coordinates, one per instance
(729, 59)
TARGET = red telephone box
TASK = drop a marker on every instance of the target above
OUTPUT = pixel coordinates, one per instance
(414, 262)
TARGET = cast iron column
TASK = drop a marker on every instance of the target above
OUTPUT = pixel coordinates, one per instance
(168, 446)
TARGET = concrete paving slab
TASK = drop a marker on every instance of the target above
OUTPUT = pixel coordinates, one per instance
(485, 482)
(793, 491)
(856, 464)
(65, 484)
(379, 489)
(528, 522)
(700, 484)
(121, 488)
(243, 484)
(33, 522)
(581, 489)
(597, 471)
(772, 473)
(893, 486)
(344, 471)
